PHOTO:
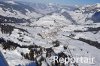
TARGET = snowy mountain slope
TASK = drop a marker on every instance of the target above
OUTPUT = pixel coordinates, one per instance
(86, 13)
(52, 20)
(44, 8)
(77, 14)
(54, 38)
(66, 33)
(17, 10)
(50, 7)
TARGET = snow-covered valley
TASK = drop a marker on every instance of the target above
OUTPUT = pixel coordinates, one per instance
(64, 32)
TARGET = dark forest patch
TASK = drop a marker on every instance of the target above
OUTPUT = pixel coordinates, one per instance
(90, 42)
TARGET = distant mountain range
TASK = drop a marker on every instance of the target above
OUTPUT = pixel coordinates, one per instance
(17, 10)
(34, 11)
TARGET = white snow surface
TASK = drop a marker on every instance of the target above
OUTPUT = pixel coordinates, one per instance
(48, 29)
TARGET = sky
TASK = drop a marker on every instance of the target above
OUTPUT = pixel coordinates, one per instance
(69, 2)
